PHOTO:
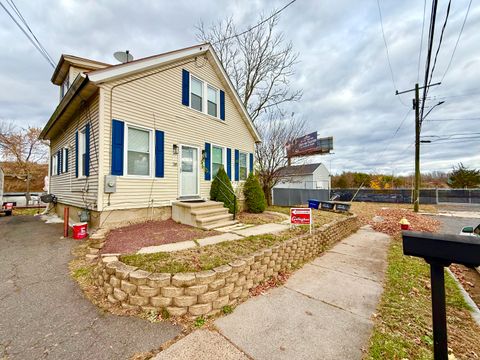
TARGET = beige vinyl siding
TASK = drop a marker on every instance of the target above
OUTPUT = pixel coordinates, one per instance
(153, 99)
(81, 192)
(73, 73)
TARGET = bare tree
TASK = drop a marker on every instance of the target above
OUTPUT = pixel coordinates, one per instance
(271, 153)
(260, 63)
(24, 149)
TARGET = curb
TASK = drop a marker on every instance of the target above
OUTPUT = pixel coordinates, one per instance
(475, 311)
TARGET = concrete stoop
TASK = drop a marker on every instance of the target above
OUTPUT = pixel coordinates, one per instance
(207, 215)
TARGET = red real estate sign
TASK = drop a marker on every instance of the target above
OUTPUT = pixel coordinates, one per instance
(301, 216)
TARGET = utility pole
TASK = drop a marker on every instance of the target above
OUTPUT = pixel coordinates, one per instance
(418, 128)
(416, 192)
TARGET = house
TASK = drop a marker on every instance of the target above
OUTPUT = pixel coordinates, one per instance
(128, 141)
(309, 176)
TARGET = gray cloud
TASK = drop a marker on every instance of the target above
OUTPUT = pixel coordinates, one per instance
(348, 91)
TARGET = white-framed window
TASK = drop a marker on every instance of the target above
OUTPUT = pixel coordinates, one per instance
(218, 159)
(212, 101)
(196, 93)
(55, 164)
(64, 87)
(82, 152)
(243, 166)
(64, 160)
(138, 160)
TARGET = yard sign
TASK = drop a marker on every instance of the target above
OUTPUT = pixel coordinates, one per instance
(301, 216)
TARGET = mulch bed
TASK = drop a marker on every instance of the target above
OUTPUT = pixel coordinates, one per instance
(130, 239)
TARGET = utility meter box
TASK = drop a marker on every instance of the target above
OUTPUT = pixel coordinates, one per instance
(110, 184)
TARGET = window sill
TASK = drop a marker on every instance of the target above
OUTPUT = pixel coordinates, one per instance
(207, 115)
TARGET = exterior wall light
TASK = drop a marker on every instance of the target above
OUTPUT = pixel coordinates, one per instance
(175, 149)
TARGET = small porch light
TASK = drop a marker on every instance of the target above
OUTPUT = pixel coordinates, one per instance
(175, 149)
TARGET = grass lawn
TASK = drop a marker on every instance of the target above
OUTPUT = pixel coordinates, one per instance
(403, 328)
(320, 217)
(27, 211)
(205, 257)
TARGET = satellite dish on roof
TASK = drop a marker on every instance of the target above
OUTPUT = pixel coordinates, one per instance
(123, 56)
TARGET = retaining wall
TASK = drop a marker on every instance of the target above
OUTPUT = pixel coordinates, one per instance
(207, 292)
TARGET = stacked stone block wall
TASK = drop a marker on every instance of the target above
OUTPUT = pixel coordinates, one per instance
(207, 292)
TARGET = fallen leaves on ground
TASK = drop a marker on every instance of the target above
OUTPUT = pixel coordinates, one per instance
(273, 282)
(388, 222)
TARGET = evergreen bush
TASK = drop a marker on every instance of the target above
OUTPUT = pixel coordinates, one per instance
(254, 197)
(222, 190)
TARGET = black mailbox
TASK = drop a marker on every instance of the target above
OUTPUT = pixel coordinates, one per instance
(443, 248)
(440, 250)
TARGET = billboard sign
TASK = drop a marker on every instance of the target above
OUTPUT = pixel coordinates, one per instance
(309, 145)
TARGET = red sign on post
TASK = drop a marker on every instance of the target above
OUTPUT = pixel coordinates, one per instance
(301, 216)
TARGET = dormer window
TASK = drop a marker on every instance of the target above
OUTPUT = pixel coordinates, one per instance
(64, 87)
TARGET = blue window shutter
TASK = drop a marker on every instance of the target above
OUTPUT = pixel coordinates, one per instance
(237, 165)
(60, 152)
(229, 163)
(118, 132)
(207, 161)
(185, 87)
(159, 153)
(58, 162)
(222, 104)
(251, 163)
(76, 154)
(66, 160)
(51, 165)
(87, 150)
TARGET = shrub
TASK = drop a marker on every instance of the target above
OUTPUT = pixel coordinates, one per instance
(254, 197)
(222, 189)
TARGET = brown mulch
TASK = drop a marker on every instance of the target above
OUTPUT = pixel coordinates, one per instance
(130, 239)
(389, 224)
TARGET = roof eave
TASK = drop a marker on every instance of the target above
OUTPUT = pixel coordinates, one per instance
(80, 81)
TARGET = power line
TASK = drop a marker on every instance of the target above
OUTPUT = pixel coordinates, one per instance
(257, 25)
(440, 41)
(458, 40)
(28, 37)
(421, 40)
(388, 53)
(19, 14)
(456, 119)
(429, 54)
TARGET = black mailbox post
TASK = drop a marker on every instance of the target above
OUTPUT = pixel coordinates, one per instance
(441, 250)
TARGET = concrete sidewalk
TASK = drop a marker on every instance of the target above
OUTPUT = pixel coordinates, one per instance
(323, 311)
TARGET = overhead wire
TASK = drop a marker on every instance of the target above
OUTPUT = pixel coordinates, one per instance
(19, 14)
(388, 53)
(431, 33)
(421, 39)
(440, 42)
(458, 40)
(37, 46)
(275, 13)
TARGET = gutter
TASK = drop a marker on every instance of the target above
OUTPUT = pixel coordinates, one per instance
(78, 84)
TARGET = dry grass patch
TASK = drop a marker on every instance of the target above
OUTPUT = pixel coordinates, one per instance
(320, 217)
(259, 219)
(403, 325)
(206, 257)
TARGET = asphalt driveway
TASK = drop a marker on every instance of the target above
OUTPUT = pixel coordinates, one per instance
(43, 313)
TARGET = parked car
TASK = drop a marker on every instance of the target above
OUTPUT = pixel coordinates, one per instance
(471, 231)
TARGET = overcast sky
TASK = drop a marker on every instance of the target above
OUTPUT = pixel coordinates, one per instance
(343, 69)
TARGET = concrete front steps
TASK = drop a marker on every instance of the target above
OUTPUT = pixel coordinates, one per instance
(206, 215)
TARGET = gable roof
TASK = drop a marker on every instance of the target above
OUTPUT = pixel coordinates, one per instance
(105, 73)
(298, 170)
(70, 60)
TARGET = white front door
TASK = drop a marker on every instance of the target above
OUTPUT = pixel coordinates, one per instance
(188, 171)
